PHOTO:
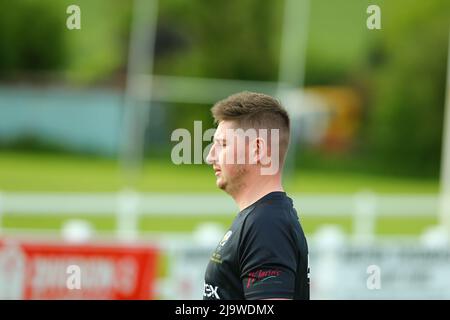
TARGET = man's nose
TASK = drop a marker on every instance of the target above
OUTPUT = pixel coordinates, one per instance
(210, 158)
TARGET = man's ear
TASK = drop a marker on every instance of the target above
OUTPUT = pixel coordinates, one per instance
(261, 151)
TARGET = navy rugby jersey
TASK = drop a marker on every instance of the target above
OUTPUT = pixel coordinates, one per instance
(263, 255)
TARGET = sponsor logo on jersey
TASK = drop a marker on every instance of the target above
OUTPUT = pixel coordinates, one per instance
(210, 291)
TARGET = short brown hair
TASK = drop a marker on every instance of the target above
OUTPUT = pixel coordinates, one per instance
(255, 110)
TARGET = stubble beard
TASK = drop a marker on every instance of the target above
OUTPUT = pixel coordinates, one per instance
(232, 185)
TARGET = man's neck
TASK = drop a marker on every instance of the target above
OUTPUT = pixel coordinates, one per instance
(250, 193)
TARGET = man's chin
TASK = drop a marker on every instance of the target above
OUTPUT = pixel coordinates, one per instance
(221, 184)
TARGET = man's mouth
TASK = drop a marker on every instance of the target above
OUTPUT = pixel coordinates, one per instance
(217, 172)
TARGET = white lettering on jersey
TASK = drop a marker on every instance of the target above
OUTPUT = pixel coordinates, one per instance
(210, 290)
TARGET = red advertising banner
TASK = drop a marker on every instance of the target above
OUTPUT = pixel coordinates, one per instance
(33, 270)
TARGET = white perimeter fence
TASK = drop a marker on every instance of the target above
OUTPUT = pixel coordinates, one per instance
(128, 206)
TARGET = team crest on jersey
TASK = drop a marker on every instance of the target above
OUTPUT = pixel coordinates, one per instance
(216, 256)
(225, 238)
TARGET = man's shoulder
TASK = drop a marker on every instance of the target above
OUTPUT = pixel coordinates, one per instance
(271, 212)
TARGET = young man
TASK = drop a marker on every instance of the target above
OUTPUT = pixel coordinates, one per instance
(264, 254)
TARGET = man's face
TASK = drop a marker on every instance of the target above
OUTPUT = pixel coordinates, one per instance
(229, 173)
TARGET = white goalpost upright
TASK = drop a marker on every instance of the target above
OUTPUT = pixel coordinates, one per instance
(444, 208)
(291, 75)
(136, 109)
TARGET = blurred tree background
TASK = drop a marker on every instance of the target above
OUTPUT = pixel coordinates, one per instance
(398, 71)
